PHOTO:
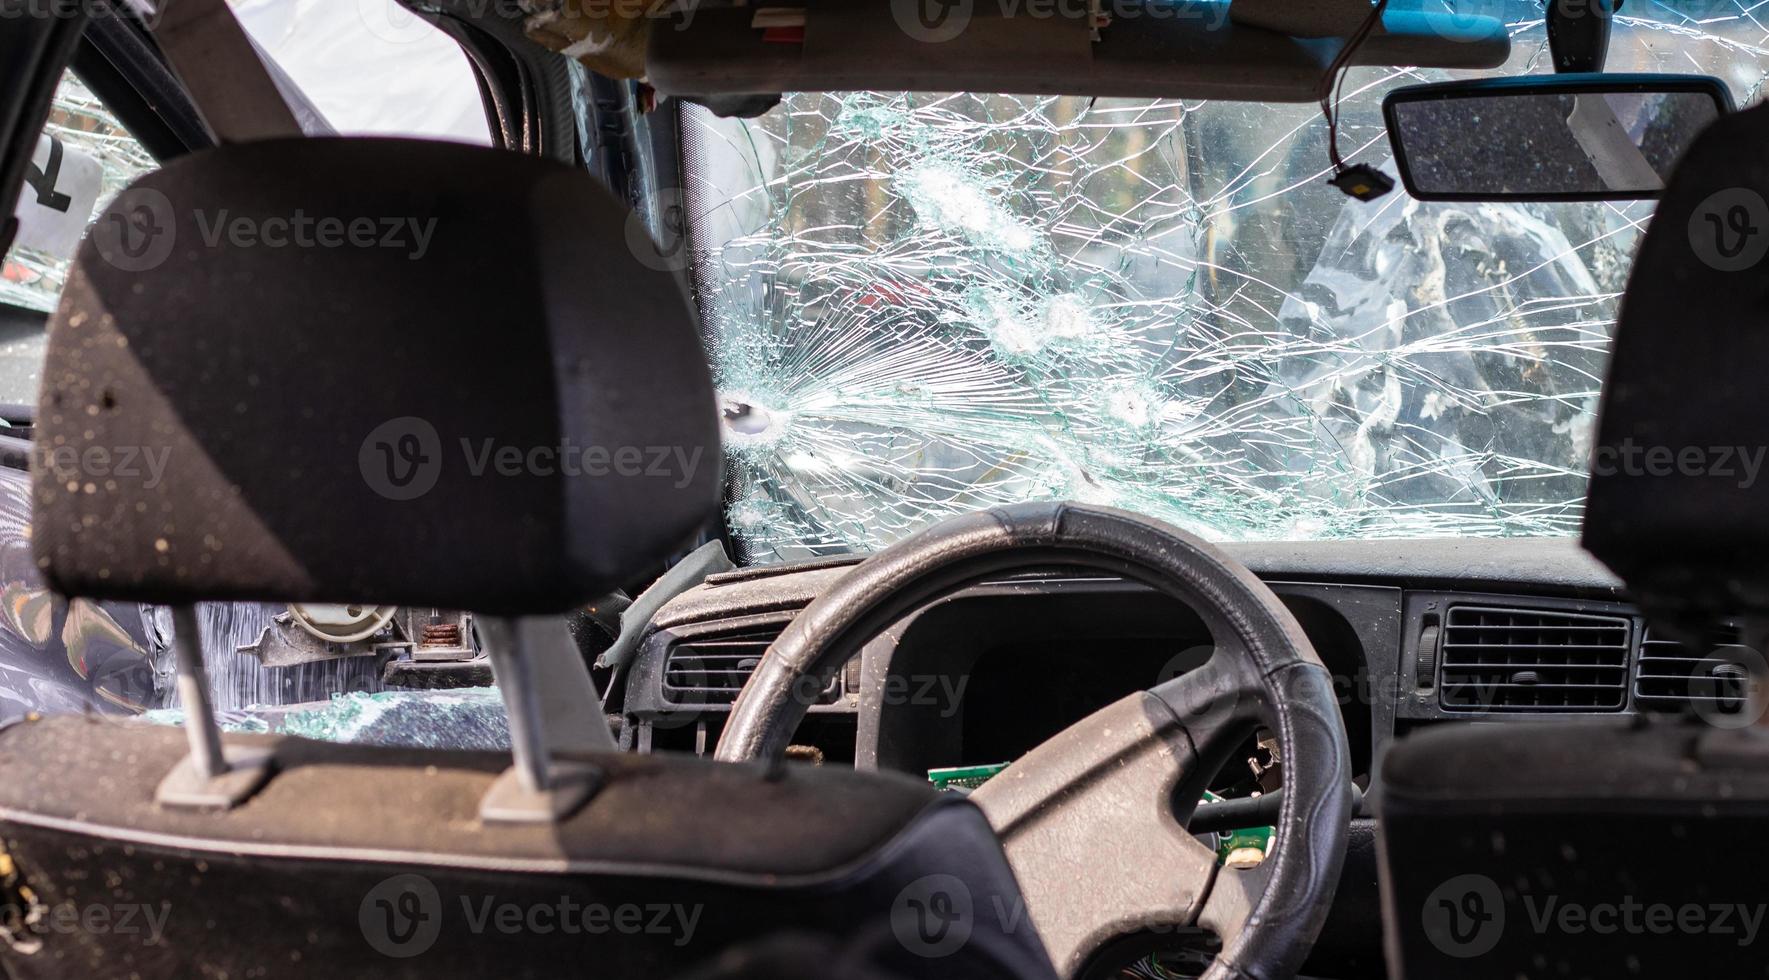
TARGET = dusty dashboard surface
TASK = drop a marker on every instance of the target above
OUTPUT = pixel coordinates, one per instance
(1416, 633)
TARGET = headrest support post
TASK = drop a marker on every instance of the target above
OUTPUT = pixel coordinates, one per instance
(214, 776)
(537, 788)
(206, 757)
(522, 701)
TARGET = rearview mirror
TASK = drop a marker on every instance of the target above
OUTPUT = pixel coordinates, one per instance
(1576, 137)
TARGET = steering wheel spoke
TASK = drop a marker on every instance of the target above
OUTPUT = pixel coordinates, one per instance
(1088, 825)
(1234, 894)
(1219, 704)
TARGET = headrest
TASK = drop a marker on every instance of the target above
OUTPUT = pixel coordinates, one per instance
(1679, 496)
(369, 370)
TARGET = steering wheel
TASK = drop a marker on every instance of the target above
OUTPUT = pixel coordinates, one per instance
(1092, 821)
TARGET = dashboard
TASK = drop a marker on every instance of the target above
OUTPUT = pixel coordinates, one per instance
(1415, 632)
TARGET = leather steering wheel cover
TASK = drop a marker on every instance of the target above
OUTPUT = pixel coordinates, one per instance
(1316, 811)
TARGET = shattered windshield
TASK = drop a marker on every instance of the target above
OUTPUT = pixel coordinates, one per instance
(923, 304)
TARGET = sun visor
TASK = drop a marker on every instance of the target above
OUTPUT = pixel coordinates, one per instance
(1182, 49)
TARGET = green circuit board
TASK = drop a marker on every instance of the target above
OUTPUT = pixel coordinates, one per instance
(967, 778)
(963, 777)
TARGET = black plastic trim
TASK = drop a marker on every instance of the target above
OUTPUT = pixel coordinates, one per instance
(126, 71)
(1421, 704)
(34, 50)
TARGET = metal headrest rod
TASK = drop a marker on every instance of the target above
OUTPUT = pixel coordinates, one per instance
(193, 692)
(522, 704)
(553, 710)
(214, 776)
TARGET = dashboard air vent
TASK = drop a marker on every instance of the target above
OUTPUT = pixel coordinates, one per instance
(713, 668)
(1502, 659)
(1672, 676)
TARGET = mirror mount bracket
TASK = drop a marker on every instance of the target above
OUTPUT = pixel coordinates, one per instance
(1578, 33)
(554, 714)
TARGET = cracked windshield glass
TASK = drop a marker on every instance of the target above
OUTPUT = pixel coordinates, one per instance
(922, 304)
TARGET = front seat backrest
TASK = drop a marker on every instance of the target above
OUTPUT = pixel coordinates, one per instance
(495, 403)
(1564, 849)
(376, 370)
(1678, 504)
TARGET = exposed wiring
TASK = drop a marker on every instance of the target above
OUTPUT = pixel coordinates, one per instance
(1361, 181)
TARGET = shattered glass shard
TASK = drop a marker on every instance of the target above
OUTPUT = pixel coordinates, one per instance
(922, 304)
(462, 718)
(34, 279)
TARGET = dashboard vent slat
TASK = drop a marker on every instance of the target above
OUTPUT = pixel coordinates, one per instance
(712, 669)
(1504, 659)
(1671, 676)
